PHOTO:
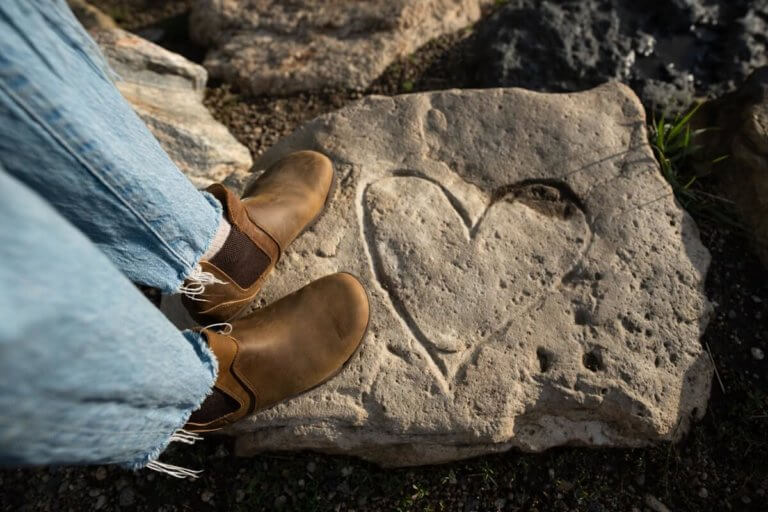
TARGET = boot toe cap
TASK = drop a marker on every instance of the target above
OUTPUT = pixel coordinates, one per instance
(350, 308)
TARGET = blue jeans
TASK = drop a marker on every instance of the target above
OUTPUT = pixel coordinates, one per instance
(90, 371)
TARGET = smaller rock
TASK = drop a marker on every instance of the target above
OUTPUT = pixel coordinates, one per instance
(278, 47)
(758, 353)
(311, 467)
(166, 91)
(100, 502)
(100, 473)
(756, 299)
(207, 496)
(731, 315)
(239, 496)
(281, 502)
(346, 471)
(90, 16)
(654, 504)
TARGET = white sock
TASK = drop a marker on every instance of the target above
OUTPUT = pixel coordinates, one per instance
(218, 240)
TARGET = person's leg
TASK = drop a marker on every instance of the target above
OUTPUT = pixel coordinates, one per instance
(90, 371)
(67, 133)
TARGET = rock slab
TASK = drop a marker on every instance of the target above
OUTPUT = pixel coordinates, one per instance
(167, 90)
(533, 282)
(282, 47)
(741, 119)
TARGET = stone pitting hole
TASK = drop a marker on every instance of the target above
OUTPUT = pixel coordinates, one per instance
(581, 316)
(545, 359)
(593, 361)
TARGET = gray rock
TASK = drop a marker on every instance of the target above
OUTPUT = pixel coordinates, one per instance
(279, 47)
(533, 282)
(742, 135)
(669, 52)
(167, 90)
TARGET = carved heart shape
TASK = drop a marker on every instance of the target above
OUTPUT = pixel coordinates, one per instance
(456, 283)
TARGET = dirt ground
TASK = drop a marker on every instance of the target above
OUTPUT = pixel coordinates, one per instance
(721, 465)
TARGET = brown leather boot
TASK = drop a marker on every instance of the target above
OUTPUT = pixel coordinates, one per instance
(284, 349)
(275, 209)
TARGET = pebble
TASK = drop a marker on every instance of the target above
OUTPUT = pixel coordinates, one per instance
(100, 502)
(239, 496)
(756, 299)
(100, 473)
(654, 504)
(346, 471)
(281, 502)
(703, 493)
(758, 353)
(732, 314)
(311, 467)
(206, 496)
(127, 497)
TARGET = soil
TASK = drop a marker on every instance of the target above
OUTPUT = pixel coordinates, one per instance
(721, 465)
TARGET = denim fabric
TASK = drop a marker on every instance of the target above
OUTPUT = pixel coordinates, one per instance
(90, 371)
(67, 133)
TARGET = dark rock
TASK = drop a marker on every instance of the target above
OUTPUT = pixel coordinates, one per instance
(669, 52)
(741, 135)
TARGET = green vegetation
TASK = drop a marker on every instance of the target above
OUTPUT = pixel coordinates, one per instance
(673, 143)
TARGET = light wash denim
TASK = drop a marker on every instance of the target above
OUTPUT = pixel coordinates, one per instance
(90, 371)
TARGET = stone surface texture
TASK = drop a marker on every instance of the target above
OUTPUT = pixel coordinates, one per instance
(167, 90)
(286, 46)
(669, 52)
(742, 135)
(533, 282)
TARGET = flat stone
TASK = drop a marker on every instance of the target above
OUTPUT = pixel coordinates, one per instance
(656, 48)
(533, 282)
(167, 90)
(278, 47)
(741, 119)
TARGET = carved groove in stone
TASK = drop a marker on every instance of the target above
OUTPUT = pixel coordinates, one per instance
(551, 199)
